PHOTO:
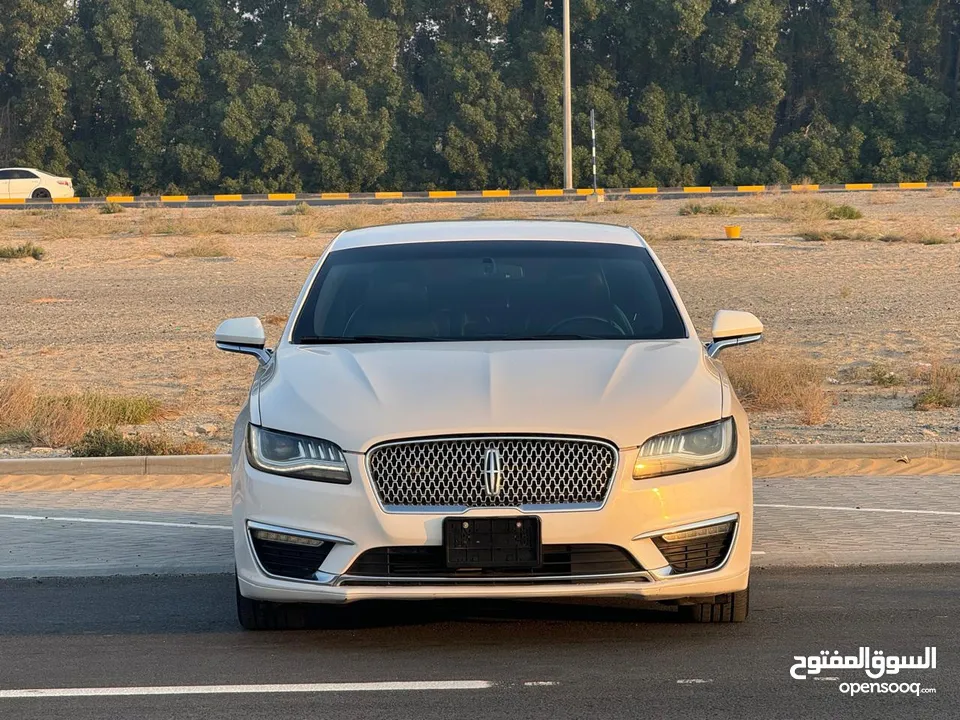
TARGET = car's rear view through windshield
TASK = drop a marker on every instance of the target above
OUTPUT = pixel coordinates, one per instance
(488, 290)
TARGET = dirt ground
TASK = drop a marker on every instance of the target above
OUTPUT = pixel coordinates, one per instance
(128, 302)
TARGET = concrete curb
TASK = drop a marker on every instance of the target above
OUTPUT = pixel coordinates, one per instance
(901, 453)
(544, 194)
(861, 451)
(149, 465)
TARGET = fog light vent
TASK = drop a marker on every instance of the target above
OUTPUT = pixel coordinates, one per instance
(287, 555)
(286, 538)
(697, 533)
(702, 548)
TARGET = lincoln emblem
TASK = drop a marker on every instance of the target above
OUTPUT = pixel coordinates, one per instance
(493, 472)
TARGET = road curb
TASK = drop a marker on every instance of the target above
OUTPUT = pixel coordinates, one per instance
(141, 465)
(861, 451)
(769, 460)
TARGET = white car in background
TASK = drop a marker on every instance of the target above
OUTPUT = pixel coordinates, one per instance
(490, 410)
(24, 183)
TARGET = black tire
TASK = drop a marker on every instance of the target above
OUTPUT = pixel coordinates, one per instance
(732, 608)
(41, 194)
(263, 615)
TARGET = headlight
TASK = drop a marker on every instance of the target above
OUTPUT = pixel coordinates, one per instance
(296, 456)
(694, 448)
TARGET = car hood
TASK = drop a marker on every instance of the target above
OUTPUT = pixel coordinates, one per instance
(359, 395)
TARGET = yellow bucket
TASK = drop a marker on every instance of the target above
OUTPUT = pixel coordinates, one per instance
(732, 231)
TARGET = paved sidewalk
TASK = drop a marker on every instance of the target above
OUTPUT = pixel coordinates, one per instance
(816, 521)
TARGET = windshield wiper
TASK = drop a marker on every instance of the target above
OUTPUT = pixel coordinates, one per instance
(360, 339)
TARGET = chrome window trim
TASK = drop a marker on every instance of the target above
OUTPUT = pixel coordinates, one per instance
(461, 509)
(263, 355)
(714, 347)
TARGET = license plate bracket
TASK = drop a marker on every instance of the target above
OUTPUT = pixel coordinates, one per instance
(492, 542)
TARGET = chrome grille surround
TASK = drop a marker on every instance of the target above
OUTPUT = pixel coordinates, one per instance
(540, 473)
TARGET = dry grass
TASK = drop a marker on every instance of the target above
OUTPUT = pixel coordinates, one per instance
(716, 208)
(882, 376)
(608, 208)
(942, 390)
(298, 209)
(111, 443)
(918, 236)
(275, 320)
(64, 224)
(13, 252)
(60, 420)
(668, 237)
(884, 198)
(818, 234)
(797, 208)
(895, 229)
(767, 381)
(206, 248)
(351, 217)
(844, 212)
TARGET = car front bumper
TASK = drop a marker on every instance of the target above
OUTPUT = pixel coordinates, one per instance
(634, 511)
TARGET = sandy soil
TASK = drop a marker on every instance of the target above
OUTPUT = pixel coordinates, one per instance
(111, 306)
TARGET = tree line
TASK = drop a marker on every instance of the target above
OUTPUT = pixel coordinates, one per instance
(191, 96)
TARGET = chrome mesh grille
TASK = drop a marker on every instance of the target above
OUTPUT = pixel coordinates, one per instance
(450, 472)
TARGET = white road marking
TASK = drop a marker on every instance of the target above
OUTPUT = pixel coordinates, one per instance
(201, 526)
(694, 681)
(541, 683)
(758, 552)
(247, 689)
(861, 509)
(830, 679)
(112, 521)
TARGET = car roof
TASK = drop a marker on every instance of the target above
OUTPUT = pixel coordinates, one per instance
(41, 172)
(466, 230)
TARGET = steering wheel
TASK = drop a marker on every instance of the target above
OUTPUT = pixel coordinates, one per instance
(607, 324)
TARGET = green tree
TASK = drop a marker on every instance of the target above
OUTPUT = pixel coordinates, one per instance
(133, 73)
(32, 84)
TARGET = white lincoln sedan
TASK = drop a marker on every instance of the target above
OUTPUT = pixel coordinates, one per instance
(490, 410)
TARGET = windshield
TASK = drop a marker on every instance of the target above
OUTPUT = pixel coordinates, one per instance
(488, 290)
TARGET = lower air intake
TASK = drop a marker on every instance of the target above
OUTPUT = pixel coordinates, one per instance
(559, 561)
(289, 559)
(705, 552)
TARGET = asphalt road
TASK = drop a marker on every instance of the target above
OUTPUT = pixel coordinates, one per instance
(601, 660)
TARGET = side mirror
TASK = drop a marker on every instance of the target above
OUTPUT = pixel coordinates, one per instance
(732, 327)
(243, 335)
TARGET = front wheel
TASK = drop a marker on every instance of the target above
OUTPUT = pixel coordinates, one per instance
(265, 615)
(729, 608)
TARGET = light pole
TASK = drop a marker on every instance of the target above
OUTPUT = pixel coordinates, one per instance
(567, 112)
